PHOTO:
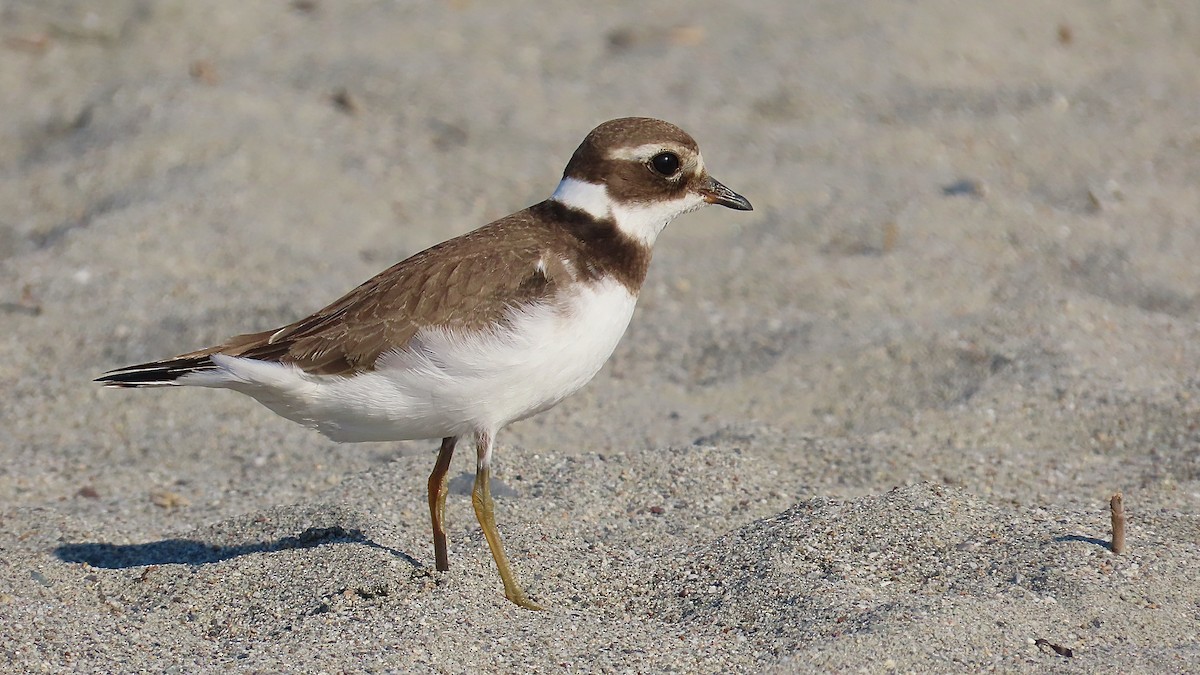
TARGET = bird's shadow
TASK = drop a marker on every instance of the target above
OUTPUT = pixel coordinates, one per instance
(193, 552)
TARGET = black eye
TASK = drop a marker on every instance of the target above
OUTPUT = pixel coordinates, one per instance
(665, 163)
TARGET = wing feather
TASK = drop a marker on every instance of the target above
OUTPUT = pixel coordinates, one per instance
(466, 283)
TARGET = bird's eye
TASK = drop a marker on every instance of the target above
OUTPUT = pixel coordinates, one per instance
(665, 163)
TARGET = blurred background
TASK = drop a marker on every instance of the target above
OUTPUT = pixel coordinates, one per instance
(972, 259)
(971, 270)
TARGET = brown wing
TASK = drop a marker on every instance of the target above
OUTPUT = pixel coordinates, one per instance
(465, 283)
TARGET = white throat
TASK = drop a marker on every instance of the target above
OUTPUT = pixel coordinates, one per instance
(642, 221)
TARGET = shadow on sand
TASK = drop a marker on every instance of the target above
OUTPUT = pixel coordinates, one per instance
(192, 552)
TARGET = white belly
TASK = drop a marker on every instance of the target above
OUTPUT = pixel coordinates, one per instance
(446, 384)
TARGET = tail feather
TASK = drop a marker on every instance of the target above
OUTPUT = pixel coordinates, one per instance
(156, 373)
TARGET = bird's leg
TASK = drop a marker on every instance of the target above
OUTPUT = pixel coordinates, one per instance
(481, 498)
(437, 502)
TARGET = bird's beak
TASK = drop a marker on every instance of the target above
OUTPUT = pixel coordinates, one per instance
(714, 192)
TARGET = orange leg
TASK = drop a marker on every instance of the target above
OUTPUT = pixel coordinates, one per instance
(437, 502)
(481, 498)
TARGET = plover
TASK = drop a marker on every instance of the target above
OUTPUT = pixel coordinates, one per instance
(480, 331)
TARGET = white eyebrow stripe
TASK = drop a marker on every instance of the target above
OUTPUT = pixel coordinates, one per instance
(643, 152)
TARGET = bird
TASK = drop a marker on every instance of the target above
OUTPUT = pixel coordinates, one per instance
(477, 332)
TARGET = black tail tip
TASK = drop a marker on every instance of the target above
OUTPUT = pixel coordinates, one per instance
(156, 374)
(123, 380)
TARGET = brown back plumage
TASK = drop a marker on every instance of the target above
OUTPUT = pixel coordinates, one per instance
(467, 283)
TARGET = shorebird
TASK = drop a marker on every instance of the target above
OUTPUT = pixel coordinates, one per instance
(479, 331)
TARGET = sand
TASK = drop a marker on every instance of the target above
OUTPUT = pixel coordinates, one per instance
(873, 425)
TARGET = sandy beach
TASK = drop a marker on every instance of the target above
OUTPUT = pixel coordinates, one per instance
(872, 426)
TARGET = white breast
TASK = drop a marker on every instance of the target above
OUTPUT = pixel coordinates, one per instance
(445, 383)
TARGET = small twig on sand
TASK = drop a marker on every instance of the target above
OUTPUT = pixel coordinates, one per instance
(1118, 524)
(1066, 652)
